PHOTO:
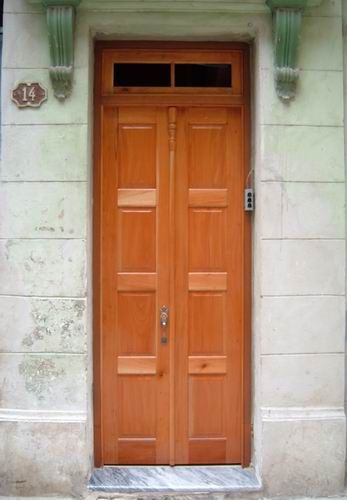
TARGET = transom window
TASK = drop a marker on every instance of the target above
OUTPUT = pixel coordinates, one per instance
(199, 70)
(174, 75)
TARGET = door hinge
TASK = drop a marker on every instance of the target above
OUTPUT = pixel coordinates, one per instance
(249, 200)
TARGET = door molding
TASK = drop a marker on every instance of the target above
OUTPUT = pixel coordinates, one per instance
(173, 100)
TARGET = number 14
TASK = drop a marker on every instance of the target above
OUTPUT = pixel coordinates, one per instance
(29, 95)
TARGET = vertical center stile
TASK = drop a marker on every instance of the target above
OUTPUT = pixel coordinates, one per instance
(172, 115)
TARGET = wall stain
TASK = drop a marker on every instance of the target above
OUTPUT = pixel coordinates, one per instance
(79, 308)
(8, 245)
(27, 267)
(36, 259)
(45, 228)
(39, 374)
(63, 322)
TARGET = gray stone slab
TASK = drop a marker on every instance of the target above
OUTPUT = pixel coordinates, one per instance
(180, 479)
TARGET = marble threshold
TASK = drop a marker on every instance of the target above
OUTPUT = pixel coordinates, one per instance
(178, 479)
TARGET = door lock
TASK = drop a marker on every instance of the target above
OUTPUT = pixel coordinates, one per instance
(164, 321)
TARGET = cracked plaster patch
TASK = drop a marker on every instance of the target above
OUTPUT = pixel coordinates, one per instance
(38, 375)
(63, 320)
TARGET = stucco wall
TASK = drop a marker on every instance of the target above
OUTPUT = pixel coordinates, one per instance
(300, 231)
(344, 22)
(298, 249)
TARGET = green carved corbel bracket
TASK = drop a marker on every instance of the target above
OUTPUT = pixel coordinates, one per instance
(61, 26)
(287, 16)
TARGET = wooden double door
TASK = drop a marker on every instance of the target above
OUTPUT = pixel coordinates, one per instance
(170, 280)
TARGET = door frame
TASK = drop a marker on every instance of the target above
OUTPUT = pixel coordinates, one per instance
(166, 100)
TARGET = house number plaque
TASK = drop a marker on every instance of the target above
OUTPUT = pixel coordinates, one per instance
(30, 95)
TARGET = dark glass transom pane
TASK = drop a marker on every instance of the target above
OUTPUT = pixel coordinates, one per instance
(203, 75)
(142, 75)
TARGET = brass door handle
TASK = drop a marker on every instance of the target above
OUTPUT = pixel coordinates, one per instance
(164, 321)
(164, 316)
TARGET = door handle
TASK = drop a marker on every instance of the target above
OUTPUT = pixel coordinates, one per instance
(164, 321)
(164, 316)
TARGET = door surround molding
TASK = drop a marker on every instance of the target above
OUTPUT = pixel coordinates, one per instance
(179, 100)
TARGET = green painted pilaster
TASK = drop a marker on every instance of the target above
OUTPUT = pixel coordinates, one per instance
(61, 24)
(287, 16)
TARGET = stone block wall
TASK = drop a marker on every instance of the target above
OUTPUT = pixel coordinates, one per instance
(300, 224)
(344, 30)
(44, 355)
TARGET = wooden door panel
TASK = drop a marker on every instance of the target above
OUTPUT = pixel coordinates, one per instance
(135, 179)
(137, 317)
(139, 452)
(209, 286)
(208, 197)
(137, 415)
(137, 396)
(137, 236)
(207, 281)
(137, 365)
(207, 239)
(206, 323)
(206, 406)
(207, 364)
(207, 156)
(137, 197)
(137, 281)
(137, 154)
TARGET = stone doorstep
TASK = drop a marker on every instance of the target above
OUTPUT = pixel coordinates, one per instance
(171, 496)
(110, 496)
(179, 480)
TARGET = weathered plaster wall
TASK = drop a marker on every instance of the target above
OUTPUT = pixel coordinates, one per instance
(299, 254)
(344, 21)
(45, 352)
(299, 262)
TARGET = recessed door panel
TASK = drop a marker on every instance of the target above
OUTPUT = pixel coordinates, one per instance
(206, 406)
(137, 155)
(137, 235)
(207, 156)
(136, 326)
(206, 320)
(207, 239)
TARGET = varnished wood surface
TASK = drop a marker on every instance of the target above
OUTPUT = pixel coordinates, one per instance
(170, 230)
(97, 312)
(172, 113)
(207, 281)
(209, 287)
(208, 197)
(137, 197)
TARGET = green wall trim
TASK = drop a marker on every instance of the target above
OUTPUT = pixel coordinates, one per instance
(287, 16)
(217, 6)
(61, 26)
(61, 3)
(286, 4)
